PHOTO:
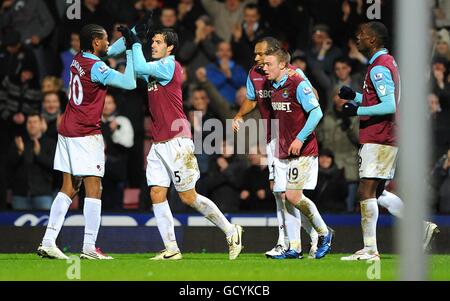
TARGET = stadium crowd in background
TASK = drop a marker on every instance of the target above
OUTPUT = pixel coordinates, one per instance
(38, 42)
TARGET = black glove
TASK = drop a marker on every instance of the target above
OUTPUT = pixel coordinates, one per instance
(144, 26)
(349, 109)
(347, 93)
(134, 39)
(126, 33)
(345, 123)
(130, 37)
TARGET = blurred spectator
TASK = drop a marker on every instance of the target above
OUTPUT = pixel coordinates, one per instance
(225, 74)
(226, 15)
(55, 84)
(331, 191)
(341, 134)
(255, 194)
(30, 163)
(439, 72)
(347, 23)
(298, 59)
(246, 35)
(34, 22)
(67, 57)
(118, 134)
(342, 76)
(133, 105)
(198, 115)
(145, 5)
(188, 13)
(168, 18)
(319, 80)
(442, 174)
(288, 21)
(21, 82)
(323, 53)
(51, 115)
(358, 60)
(442, 45)
(199, 49)
(224, 179)
(225, 111)
(441, 13)
(440, 116)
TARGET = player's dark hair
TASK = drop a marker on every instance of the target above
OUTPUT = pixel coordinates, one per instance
(170, 37)
(380, 31)
(88, 33)
(272, 43)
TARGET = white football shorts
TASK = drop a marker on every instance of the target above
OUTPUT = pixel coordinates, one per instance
(301, 173)
(377, 161)
(173, 160)
(80, 156)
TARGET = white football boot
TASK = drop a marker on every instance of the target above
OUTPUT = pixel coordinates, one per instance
(235, 243)
(96, 254)
(168, 255)
(362, 255)
(52, 252)
(431, 230)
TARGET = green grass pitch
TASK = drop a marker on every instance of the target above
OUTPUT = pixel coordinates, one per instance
(205, 266)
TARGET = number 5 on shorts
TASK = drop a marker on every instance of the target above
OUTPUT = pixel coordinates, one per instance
(177, 176)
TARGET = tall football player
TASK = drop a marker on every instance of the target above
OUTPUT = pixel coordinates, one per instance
(80, 150)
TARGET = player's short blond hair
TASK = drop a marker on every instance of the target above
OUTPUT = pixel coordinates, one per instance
(282, 55)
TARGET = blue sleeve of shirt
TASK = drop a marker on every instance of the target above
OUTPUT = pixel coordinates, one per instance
(162, 70)
(101, 73)
(309, 102)
(311, 123)
(250, 89)
(359, 98)
(306, 97)
(303, 75)
(118, 47)
(384, 85)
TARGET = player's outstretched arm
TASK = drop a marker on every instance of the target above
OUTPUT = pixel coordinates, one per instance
(141, 29)
(162, 69)
(101, 73)
(118, 47)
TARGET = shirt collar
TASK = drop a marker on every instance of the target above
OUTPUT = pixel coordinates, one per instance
(255, 26)
(377, 54)
(283, 79)
(90, 56)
